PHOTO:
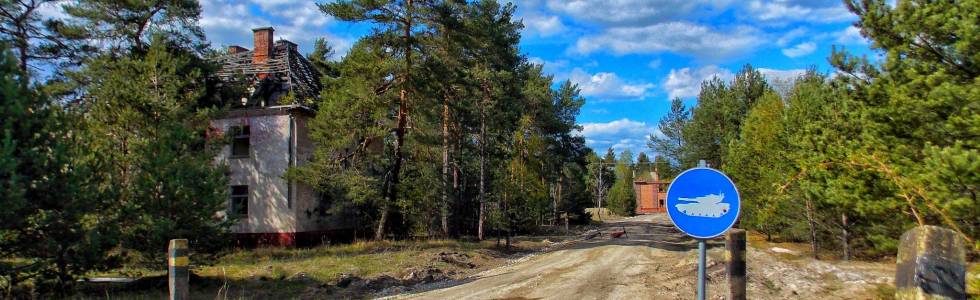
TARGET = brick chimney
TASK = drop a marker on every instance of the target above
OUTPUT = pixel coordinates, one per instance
(263, 45)
(235, 49)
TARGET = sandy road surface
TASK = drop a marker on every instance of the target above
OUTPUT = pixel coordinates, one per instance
(655, 261)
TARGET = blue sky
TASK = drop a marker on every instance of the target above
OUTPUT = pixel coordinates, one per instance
(629, 57)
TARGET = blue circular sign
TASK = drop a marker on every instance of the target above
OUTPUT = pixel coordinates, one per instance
(703, 202)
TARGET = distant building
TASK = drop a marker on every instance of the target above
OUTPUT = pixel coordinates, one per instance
(651, 194)
(268, 134)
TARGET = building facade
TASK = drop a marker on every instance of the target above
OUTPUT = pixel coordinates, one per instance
(267, 136)
(651, 194)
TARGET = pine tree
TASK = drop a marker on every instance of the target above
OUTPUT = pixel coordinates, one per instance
(758, 163)
(33, 36)
(399, 23)
(600, 179)
(622, 195)
(492, 72)
(716, 119)
(350, 128)
(664, 168)
(670, 146)
(920, 110)
(145, 121)
(131, 25)
(643, 166)
(321, 57)
(52, 219)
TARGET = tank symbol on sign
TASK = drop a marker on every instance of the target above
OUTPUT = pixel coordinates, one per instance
(705, 206)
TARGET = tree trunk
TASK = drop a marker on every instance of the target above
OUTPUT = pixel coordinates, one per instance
(813, 230)
(554, 211)
(483, 163)
(379, 234)
(445, 167)
(600, 191)
(22, 49)
(399, 127)
(845, 236)
(503, 208)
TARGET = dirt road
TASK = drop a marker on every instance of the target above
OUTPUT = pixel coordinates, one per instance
(655, 261)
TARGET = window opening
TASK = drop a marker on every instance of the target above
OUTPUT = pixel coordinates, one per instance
(239, 200)
(240, 141)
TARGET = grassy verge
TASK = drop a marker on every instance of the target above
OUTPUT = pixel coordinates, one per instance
(291, 273)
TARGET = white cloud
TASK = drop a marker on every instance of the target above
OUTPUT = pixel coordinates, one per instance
(624, 12)
(647, 12)
(228, 22)
(557, 68)
(619, 134)
(819, 11)
(679, 37)
(541, 25)
(268, 5)
(784, 75)
(851, 36)
(790, 36)
(781, 80)
(686, 83)
(608, 86)
(800, 49)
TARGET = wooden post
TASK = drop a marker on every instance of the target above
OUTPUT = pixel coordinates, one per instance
(177, 267)
(566, 222)
(931, 264)
(735, 244)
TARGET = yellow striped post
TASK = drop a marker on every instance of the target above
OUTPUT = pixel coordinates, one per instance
(735, 244)
(177, 267)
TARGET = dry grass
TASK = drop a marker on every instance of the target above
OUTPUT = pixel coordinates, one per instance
(325, 264)
(287, 273)
(607, 214)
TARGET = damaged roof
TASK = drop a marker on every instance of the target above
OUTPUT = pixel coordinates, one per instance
(280, 63)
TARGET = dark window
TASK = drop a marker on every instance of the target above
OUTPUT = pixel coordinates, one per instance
(239, 141)
(239, 200)
(660, 188)
(661, 203)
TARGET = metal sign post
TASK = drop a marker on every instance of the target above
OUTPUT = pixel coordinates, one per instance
(703, 203)
(701, 266)
(702, 252)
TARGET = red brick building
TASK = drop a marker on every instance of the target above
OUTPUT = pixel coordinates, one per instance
(651, 194)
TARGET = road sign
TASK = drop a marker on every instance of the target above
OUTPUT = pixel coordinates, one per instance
(703, 202)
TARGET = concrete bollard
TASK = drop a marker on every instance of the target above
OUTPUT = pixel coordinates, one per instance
(931, 264)
(735, 254)
(177, 267)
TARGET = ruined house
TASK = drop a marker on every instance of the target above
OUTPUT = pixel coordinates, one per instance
(651, 194)
(268, 132)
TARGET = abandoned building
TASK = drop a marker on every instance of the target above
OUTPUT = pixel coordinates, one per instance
(651, 194)
(268, 132)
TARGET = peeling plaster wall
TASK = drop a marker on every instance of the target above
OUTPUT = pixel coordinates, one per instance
(263, 172)
(306, 203)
